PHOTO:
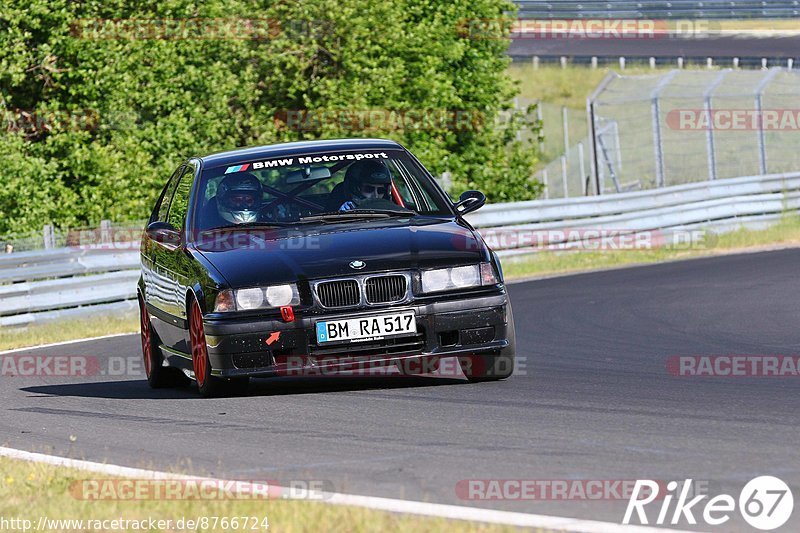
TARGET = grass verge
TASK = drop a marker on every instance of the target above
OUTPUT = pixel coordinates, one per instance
(788, 24)
(29, 491)
(69, 329)
(569, 86)
(547, 263)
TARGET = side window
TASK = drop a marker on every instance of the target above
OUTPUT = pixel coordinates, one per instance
(180, 202)
(162, 208)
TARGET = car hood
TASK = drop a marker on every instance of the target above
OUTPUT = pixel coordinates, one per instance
(266, 256)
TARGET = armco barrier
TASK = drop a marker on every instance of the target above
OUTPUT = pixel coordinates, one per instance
(720, 204)
(675, 9)
(53, 283)
(65, 282)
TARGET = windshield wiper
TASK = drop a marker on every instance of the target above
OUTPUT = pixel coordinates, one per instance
(355, 214)
(387, 212)
(250, 225)
(344, 216)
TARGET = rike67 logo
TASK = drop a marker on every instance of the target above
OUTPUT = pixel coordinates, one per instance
(766, 503)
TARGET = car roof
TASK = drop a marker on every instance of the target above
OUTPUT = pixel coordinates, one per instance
(295, 148)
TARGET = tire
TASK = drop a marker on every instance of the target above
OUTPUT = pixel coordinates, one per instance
(158, 376)
(492, 367)
(208, 385)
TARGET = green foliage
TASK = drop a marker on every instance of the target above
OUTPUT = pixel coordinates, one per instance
(114, 113)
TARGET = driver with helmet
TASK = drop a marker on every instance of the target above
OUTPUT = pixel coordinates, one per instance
(239, 198)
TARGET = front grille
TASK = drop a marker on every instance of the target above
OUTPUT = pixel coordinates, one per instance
(340, 293)
(385, 289)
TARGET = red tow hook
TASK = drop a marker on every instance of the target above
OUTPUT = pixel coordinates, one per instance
(287, 313)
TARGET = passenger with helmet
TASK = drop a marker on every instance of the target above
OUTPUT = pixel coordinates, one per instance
(364, 181)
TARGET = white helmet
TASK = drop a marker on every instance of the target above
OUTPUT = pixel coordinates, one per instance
(239, 198)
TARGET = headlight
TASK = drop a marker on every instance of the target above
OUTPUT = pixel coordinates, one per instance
(257, 298)
(448, 279)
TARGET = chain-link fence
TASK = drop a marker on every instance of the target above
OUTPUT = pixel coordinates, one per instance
(690, 126)
(52, 237)
(564, 144)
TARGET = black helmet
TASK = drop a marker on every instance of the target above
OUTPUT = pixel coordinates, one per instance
(239, 198)
(368, 180)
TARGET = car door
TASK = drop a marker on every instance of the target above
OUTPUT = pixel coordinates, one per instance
(168, 285)
(155, 287)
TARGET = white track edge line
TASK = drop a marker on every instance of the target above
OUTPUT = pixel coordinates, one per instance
(63, 343)
(437, 510)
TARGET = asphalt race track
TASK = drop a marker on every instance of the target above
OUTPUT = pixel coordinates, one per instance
(716, 47)
(595, 401)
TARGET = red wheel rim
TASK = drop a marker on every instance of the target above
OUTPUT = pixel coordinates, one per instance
(147, 345)
(198, 341)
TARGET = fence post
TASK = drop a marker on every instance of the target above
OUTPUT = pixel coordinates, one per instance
(762, 145)
(564, 180)
(658, 145)
(712, 155)
(565, 126)
(592, 123)
(49, 237)
(546, 185)
(582, 167)
(541, 121)
(446, 181)
(105, 232)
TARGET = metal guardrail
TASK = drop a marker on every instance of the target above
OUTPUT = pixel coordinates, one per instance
(62, 262)
(674, 9)
(723, 204)
(49, 284)
(45, 284)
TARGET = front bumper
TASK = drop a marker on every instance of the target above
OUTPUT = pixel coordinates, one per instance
(266, 348)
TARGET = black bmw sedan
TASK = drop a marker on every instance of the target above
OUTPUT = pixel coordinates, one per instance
(317, 258)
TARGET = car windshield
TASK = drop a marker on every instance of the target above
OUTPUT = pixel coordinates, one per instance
(323, 187)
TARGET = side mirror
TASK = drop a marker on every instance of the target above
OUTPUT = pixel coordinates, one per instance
(164, 234)
(470, 201)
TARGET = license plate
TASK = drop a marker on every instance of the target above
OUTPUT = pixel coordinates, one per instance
(367, 328)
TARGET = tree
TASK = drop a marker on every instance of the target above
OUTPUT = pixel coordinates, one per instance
(116, 95)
